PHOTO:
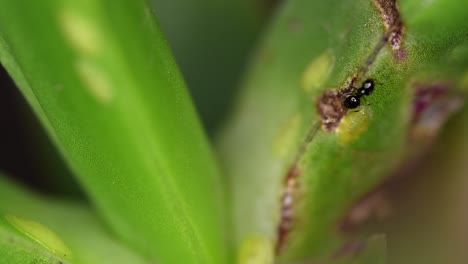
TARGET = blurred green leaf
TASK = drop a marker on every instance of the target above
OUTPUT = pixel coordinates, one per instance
(103, 82)
(312, 46)
(15, 248)
(211, 41)
(28, 224)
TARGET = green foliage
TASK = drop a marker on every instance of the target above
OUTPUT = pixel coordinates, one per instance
(34, 228)
(302, 55)
(102, 80)
(211, 42)
(15, 248)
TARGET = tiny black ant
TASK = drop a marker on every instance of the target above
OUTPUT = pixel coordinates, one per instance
(353, 101)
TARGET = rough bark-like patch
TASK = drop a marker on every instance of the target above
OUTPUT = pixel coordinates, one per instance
(394, 26)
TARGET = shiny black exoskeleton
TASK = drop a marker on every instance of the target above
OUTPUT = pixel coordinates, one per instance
(354, 100)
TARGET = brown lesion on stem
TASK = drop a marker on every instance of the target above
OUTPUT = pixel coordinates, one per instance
(391, 19)
(330, 106)
(289, 191)
(331, 110)
(287, 202)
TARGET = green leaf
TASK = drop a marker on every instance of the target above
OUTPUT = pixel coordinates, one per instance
(210, 41)
(50, 231)
(313, 46)
(16, 248)
(103, 82)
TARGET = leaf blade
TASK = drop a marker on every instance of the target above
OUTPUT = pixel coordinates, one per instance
(102, 79)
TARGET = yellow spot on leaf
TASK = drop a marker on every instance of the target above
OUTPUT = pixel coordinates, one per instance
(80, 32)
(464, 81)
(287, 134)
(95, 79)
(353, 125)
(41, 235)
(256, 250)
(317, 71)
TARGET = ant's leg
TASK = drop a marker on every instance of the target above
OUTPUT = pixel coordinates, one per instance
(365, 101)
(358, 111)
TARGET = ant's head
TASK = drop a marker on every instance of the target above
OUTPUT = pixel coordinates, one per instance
(351, 102)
